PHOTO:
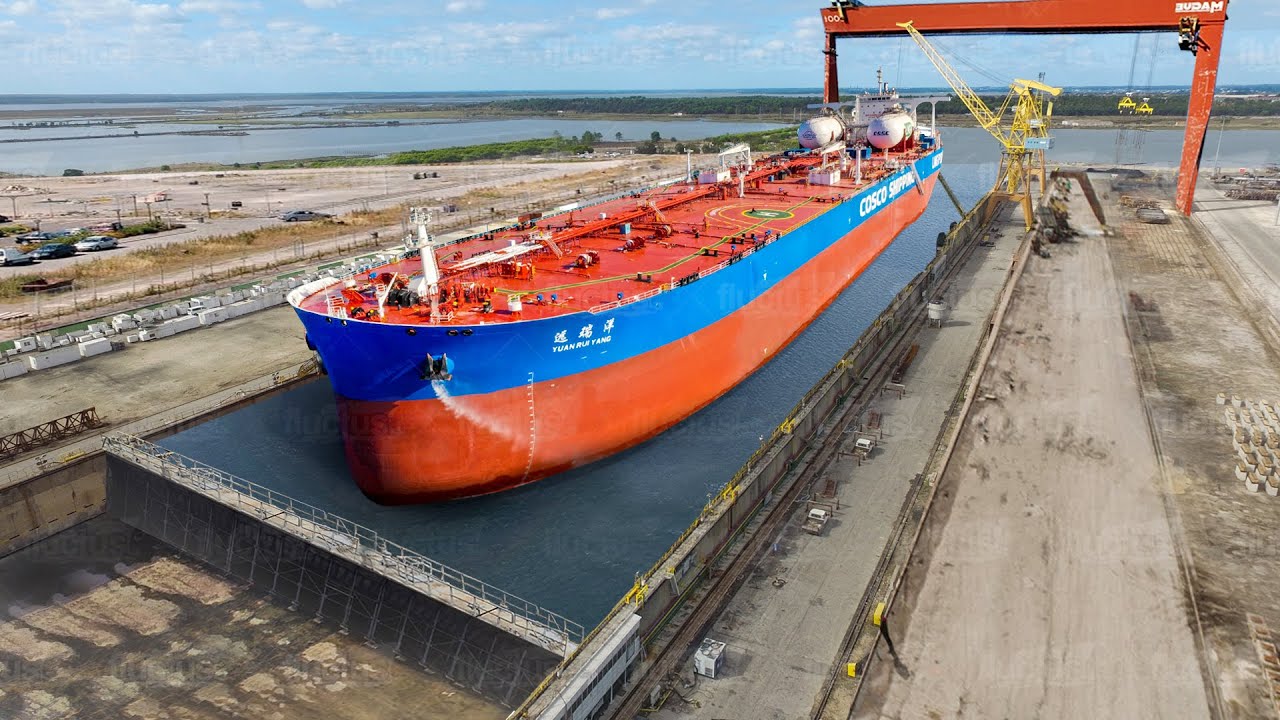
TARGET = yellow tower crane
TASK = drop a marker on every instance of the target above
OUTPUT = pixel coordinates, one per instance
(1024, 137)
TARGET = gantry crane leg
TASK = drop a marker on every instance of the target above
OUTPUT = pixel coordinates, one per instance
(1202, 89)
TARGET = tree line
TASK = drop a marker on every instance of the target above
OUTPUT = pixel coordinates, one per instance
(1067, 104)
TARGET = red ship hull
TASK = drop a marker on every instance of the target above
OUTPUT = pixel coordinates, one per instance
(431, 450)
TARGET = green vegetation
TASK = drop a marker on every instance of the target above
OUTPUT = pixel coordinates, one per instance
(772, 140)
(146, 228)
(466, 153)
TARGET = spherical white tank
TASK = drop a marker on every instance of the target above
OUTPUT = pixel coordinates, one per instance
(817, 132)
(890, 130)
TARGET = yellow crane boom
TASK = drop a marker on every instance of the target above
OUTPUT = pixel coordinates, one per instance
(1026, 134)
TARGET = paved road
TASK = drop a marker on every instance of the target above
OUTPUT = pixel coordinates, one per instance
(1247, 232)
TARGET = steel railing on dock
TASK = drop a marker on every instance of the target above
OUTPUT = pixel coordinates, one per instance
(353, 541)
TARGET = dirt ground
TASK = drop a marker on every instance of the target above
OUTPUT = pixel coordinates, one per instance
(1054, 588)
(57, 203)
(1196, 337)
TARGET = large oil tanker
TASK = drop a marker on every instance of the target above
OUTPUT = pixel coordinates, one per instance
(480, 364)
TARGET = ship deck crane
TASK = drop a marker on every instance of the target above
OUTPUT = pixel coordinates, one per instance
(1199, 27)
(1024, 137)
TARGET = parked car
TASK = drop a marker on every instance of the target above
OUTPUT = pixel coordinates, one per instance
(14, 256)
(53, 251)
(5, 219)
(96, 242)
(34, 237)
(106, 227)
(297, 215)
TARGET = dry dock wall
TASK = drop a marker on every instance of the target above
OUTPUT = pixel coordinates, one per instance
(73, 491)
(441, 639)
(48, 504)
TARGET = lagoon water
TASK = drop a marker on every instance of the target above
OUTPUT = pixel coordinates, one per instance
(125, 151)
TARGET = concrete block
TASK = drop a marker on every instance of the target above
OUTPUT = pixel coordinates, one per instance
(44, 341)
(131, 339)
(53, 358)
(97, 327)
(271, 299)
(62, 341)
(213, 316)
(95, 347)
(163, 330)
(183, 324)
(170, 312)
(78, 335)
(123, 322)
(13, 369)
(146, 336)
(245, 307)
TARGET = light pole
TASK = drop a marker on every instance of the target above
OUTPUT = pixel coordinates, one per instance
(206, 206)
(1217, 168)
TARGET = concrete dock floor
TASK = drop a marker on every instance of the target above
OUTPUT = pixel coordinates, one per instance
(104, 622)
(785, 624)
(1053, 587)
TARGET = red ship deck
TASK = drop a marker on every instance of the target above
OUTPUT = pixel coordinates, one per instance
(684, 229)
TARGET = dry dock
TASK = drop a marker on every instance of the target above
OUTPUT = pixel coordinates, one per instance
(104, 623)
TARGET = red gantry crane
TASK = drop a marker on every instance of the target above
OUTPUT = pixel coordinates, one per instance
(1198, 24)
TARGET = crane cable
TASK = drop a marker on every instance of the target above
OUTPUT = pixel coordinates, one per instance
(1133, 63)
(961, 58)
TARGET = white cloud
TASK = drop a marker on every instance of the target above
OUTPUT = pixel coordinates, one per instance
(216, 7)
(322, 4)
(457, 7)
(21, 7)
(612, 13)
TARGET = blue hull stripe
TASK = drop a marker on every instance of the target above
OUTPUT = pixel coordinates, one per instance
(382, 362)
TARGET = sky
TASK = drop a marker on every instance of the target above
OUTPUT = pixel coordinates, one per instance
(222, 46)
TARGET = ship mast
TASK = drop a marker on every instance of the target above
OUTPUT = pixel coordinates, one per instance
(429, 287)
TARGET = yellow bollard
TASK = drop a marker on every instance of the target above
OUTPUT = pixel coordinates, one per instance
(852, 669)
(878, 617)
